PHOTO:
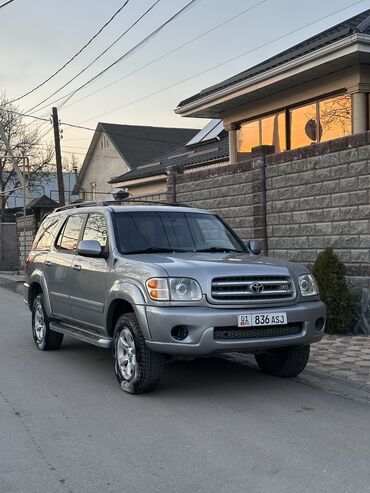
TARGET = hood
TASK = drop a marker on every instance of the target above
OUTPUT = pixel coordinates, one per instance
(196, 264)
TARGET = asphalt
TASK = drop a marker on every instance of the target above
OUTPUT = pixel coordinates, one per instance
(214, 425)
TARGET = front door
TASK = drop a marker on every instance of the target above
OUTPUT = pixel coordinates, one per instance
(58, 265)
(89, 277)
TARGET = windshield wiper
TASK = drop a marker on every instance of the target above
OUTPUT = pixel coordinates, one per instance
(218, 249)
(154, 249)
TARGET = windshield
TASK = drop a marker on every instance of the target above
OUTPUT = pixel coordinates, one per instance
(140, 232)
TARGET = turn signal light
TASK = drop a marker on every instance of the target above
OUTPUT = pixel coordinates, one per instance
(158, 288)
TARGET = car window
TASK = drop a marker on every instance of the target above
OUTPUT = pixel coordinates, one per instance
(177, 230)
(68, 237)
(96, 229)
(45, 234)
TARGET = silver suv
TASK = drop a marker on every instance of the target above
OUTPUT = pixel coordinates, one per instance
(157, 280)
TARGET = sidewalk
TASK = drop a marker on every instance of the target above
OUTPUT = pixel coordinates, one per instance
(12, 280)
(342, 356)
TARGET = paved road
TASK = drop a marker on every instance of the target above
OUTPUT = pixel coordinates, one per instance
(213, 426)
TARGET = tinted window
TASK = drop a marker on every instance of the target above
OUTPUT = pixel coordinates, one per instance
(69, 235)
(45, 234)
(96, 229)
(174, 230)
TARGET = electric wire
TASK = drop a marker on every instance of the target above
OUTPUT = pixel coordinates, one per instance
(96, 58)
(73, 57)
(134, 48)
(218, 65)
(230, 19)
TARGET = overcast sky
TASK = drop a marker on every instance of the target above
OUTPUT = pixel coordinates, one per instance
(39, 36)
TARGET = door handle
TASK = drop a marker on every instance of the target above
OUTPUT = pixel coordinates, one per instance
(77, 267)
(48, 263)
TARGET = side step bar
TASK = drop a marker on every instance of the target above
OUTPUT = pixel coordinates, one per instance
(81, 334)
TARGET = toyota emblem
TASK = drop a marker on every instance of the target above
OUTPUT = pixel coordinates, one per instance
(257, 287)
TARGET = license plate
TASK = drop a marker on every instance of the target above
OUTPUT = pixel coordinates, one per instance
(259, 319)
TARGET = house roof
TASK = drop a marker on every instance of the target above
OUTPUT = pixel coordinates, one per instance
(358, 24)
(42, 202)
(212, 151)
(138, 144)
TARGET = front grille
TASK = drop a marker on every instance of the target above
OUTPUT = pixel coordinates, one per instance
(252, 288)
(237, 333)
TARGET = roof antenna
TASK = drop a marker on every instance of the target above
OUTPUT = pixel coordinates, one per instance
(121, 195)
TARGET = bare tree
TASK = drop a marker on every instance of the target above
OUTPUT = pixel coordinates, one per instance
(24, 141)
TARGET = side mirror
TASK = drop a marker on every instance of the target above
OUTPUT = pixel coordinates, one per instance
(254, 246)
(89, 248)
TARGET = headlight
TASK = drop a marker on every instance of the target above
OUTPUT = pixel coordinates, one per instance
(184, 289)
(307, 285)
(175, 288)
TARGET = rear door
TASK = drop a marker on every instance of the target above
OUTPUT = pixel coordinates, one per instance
(89, 277)
(58, 265)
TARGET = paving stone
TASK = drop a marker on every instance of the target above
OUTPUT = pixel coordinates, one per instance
(343, 356)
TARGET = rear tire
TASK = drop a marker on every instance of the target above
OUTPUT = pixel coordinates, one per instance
(284, 362)
(137, 369)
(44, 338)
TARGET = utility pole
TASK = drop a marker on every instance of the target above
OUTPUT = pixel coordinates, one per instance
(58, 156)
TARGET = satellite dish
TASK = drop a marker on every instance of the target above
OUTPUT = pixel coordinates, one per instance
(311, 129)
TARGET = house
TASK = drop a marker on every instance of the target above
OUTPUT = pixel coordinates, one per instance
(117, 149)
(208, 147)
(313, 92)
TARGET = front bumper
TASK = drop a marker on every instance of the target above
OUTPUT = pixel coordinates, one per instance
(200, 322)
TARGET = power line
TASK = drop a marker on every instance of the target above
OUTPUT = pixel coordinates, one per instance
(74, 56)
(72, 125)
(6, 3)
(221, 64)
(134, 48)
(98, 57)
(230, 19)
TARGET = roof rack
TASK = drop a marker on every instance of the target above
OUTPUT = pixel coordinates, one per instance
(105, 203)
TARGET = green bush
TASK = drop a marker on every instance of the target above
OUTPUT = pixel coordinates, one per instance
(329, 272)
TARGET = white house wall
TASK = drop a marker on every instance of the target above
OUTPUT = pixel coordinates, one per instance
(105, 163)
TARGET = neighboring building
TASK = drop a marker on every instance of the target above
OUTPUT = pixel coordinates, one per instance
(116, 149)
(314, 92)
(208, 147)
(44, 184)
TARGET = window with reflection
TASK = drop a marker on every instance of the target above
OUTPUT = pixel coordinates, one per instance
(321, 121)
(335, 117)
(96, 229)
(303, 131)
(309, 124)
(270, 130)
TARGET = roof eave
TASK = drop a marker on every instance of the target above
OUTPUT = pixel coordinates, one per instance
(348, 45)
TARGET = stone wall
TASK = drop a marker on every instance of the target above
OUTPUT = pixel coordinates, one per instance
(25, 240)
(317, 196)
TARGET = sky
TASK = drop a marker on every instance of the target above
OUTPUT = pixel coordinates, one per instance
(39, 36)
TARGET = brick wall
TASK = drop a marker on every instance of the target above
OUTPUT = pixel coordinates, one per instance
(316, 196)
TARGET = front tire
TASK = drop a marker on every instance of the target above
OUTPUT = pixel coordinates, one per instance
(284, 362)
(44, 338)
(137, 368)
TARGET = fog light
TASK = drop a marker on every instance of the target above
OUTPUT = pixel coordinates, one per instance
(179, 333)
(319, 325)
